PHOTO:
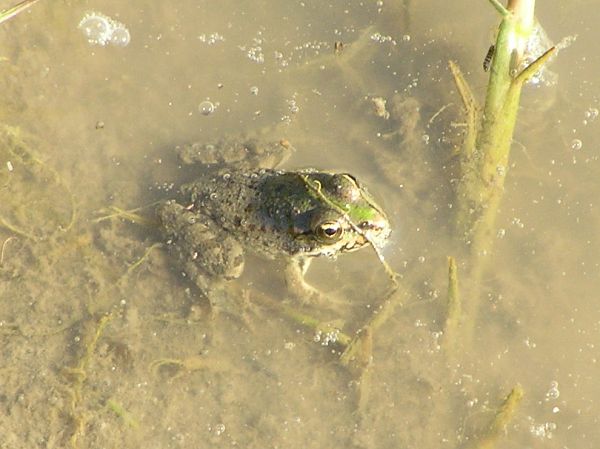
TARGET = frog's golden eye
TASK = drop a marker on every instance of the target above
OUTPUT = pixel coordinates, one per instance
(329, 231)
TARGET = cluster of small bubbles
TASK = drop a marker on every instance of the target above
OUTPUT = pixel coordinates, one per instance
(279, 58)
(544, 430)
(590, 115)
(406, 38)
(99, 29)
(293, 106)
(576, 144)
(472, 402)
(254, 51)
(414, 83)
(326, 338)
(553, 392)
(254, 90)
(530, 344)
(517, 222)
(436, 335)
(207, 107)
(501, 233)
(381, 39)
(301, 52)
(211, 39)
(255, 54)
(537, 44)
(165, 186)
(425, 138)
(219, 429)
(312, 45)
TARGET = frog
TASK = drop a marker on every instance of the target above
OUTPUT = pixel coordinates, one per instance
(242, 202)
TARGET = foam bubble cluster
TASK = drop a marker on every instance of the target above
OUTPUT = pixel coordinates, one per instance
(99, 29)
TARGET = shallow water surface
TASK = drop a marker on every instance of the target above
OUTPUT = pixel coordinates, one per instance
(105, 343)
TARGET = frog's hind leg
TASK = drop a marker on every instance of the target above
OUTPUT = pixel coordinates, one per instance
(208, 257)
(237, 153)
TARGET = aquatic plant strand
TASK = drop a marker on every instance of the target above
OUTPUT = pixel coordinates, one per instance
(315, 187)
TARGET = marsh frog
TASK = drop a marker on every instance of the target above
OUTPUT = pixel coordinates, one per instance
(240, 203)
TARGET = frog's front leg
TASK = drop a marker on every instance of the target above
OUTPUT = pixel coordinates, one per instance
(294, 278)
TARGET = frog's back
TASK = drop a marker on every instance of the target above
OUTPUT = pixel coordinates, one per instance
(264, 209)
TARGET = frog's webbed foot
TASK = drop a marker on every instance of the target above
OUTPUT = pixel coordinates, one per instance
(297, 285)
(237, 153)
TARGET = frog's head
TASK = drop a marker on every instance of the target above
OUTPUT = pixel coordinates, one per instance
(347, 217)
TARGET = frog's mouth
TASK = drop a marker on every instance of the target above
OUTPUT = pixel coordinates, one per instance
(371, 234)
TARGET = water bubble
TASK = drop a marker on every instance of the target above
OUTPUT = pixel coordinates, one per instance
(99, 29)
(543, 430)
(406, 38)
(576, 144)
(553, 392)
(254, 90)
(206, 107)
(591, 114)
(120, 37)
(96, 28)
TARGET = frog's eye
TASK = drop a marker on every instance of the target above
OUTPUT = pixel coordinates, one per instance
(329, 231)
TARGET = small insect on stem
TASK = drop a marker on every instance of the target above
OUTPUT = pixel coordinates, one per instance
(487, 61)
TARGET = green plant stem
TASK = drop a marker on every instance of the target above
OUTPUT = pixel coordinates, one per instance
(484, 167)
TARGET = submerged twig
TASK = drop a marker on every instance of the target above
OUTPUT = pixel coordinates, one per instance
(454, 308)
(4, 248)
(393, 299)
(130, 214)
(122, 413)
(11, 12)
(502, 418)
(471, 110)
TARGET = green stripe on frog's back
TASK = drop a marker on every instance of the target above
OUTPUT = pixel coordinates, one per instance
(343, 192)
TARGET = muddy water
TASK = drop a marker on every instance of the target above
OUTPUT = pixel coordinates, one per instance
(106, 344)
